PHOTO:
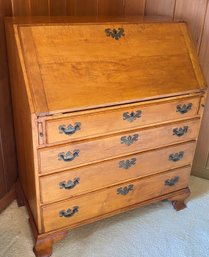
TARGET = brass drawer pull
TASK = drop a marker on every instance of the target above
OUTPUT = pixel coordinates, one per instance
(180, 131)
(127, 164)
(70, 184)
(125, 190)
(115, 33)
(172, 181)
(68, 157)
(69, 213)
(183, 108)
(132, 116)
(129, 140)
(70, 129)
(176, 156)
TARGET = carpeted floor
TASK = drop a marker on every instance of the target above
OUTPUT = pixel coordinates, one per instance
(152, 231)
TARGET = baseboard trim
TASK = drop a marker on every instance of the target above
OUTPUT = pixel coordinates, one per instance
(200, 172)
(7, 199)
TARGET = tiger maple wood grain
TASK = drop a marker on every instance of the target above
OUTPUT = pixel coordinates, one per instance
(96, 123)
(110, 172)
(104, 148)
(65, 70)
(109, 75)
(96, 204)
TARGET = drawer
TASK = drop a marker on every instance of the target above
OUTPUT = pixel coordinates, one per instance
(76, 154)
(89, 178)
(75, 127)
(92, 205)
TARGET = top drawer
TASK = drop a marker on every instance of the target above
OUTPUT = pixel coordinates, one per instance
(95, 123)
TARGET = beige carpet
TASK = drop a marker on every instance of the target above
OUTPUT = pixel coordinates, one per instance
(152, 231)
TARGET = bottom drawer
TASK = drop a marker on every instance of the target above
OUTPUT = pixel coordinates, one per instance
(95, 204)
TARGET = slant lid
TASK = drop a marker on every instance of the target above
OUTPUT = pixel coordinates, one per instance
(78, 66)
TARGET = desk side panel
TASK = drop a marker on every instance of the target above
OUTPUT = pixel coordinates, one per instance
(25, 124)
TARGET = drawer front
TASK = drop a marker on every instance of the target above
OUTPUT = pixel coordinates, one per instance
(95, 204)
(76, 154)
(82, 180)
(76, 127)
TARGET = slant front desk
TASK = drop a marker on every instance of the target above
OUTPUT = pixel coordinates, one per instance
(106, 114)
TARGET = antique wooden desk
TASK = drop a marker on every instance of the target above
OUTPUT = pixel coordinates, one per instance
(106, 113)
